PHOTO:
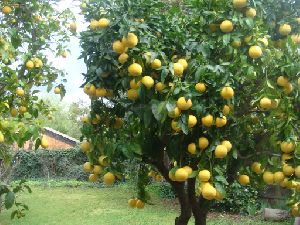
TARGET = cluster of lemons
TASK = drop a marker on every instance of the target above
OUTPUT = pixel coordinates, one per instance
(95, 170)
(34, 63)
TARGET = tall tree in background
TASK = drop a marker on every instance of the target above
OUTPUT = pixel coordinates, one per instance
(30, 32)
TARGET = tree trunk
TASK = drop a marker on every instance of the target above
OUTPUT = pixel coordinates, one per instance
(199, 205)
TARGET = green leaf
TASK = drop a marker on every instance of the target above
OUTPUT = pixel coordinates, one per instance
(226, 39)
(9, 200)
(234, 153)
(159, 110)
(147, 117)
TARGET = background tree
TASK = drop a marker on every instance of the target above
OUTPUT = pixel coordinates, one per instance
(196, 91)
(30, 32)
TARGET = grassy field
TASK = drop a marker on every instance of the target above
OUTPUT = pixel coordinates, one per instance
(105, 206)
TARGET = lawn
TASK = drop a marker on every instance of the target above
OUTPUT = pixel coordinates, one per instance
(104, 206)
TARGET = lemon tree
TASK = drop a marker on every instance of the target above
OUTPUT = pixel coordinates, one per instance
(31, 32)
(199, 93)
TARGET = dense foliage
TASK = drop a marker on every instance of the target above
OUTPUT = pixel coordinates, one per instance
(194, 89)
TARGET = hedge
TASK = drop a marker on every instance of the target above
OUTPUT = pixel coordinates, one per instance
(43, 164)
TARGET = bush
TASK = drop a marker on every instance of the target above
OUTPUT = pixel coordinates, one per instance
(44, 164)
(162, 189)
(240, 199)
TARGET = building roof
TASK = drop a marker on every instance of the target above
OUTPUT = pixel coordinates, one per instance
(63, 136)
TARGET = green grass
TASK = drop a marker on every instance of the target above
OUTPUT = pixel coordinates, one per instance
(105, 206)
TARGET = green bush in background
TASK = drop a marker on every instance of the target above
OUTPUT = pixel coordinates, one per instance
(42, 164)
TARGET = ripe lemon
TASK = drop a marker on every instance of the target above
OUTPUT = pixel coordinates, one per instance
(85, 146)
(282, 81)
(226, 26)
(103, 23)
(192, 121)
(227, 92)
(256, 167)
(285, 157)
(278, 177)
(159, 87)
(247, 39)
(100, 92)
(203, 143)
(200, 87)
(119, 47)
(148, 82)
(159, 178)
(184, 63)
(97, 169)
(220, 152)
(287, 146)
(1, 137)
(204, 175)
(73, 27)
(264, 41)
(192, 148)
(6, 9)
(174, 126)
(132, 40)
(118, 123)
(20, 92)
(297, 171)
(238, 4)
(221, 122)
(226, 110)
(85, 119)
(156, 64)
(299, 81)
(134, 85)
(109, 178)
(29, 65)
(140, 204)
(274, 103)
(227, 144)
(93, 178)
(288, 170)
(123, 58)
(265, 103)
(57, 90)
(209, 192)
(207, 120)
(181, 175)
(268, 177)
(255, 52)
(132, 203)
(174, 114)
(103, 160)
(188, 169)
(182, 104)
(178, 69)
(244, 179)
(22, 109)
(87, 167)
(219, 196)
(250, 12)
(94, 24)
(135, 69)
(44, 142)
(285, 29)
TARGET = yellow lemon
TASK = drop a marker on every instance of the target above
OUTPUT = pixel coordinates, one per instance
(135, 69)
(94, 24)
(287, 146)
(103, 23)
(1, 137)
(184, 63)
(57, 90)
(131, 40)
(256, 167)
(132, 203)
(207, 120)
(192, 148)
(174, 126)
(119, 47)
(204, 175)
(226, 26)
(182, 104)
(227, 92)
(159, 87)
(73, 27)
(93, 178)
(297, 171)
(255, 52)
(181, 175)
(174, 114)
(178, 69)
(285, 29)
(100, 92)
(227, 144)
(250, 12)
(192, 121)
(134, 84)
(288, 88)
(29, 65)
(188, 169)
(148, 82)
(278, 177)
(265, 103)
(44, 142)
(97, 169)
(282, 81)
(244, 179)
(226, 110)
(6, 9)
(156, 64)
(85, 146)
(238, 4)
(140, 204)
(123, 58)
(236, 43)
(209, 192)
(200, 87)
(268, 177)
(87, 167)
(20, 92)
(288, 170)
(109, 178)
(203, 143)
(220, 152)
(221, 122)
(13, 112)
